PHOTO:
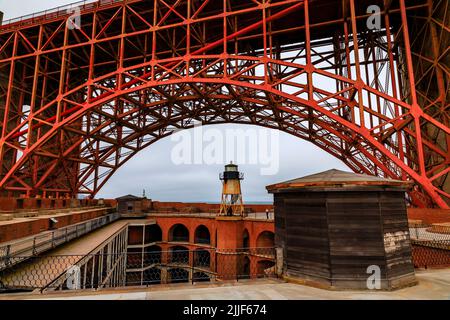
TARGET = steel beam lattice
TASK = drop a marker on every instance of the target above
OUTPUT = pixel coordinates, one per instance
(78, 101)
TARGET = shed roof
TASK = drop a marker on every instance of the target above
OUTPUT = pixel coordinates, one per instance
(334, 178)
(129, 197)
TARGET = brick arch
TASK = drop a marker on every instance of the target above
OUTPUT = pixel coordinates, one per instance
(202, 235)
(153, 233)
(167, 222)
(265, 239)
(178, 232)
(246, 239)
(255, 228)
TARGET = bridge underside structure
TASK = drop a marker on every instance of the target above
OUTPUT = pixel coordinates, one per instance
(78, 98)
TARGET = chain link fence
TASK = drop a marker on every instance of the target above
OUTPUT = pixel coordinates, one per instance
(137, 268)
(430, 245)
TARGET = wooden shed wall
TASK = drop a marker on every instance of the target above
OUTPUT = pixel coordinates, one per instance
(335, 236)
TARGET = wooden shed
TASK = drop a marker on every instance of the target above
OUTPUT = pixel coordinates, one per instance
(340, 230)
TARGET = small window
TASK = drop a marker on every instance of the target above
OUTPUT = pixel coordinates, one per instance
(39, 203)
(19, 203)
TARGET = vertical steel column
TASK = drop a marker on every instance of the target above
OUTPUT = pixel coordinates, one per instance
(357, 64)
(309, 66)
(416, 111)
(392, 68)
(6, 113)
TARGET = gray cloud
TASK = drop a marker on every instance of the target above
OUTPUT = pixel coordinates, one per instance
(153, 170)
(14, 9)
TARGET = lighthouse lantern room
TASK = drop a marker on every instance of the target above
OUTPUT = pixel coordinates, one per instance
(231, 204)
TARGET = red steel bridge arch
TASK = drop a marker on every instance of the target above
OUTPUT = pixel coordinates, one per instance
(78, 102)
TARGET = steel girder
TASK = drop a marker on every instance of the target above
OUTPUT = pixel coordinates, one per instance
(77, 104)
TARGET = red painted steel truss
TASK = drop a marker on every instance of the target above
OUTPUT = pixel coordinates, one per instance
(77, 103)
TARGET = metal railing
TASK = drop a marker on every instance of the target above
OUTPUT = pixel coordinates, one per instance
(141, 269)
(201, 240)
(430, 245)
(18, 251)
(58, 12)
(179, 238)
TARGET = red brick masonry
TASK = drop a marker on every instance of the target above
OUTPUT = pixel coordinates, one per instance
(16, 230)
(205, 207)
(429, 216)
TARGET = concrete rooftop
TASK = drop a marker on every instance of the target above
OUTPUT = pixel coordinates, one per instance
(433, 285)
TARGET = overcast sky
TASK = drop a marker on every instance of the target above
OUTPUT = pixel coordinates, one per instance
(153, 169)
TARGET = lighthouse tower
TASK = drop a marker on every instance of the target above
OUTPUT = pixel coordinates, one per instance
(231, 204)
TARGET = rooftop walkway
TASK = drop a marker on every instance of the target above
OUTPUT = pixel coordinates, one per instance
(433, 284)
(77, 249)
(47, 240)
